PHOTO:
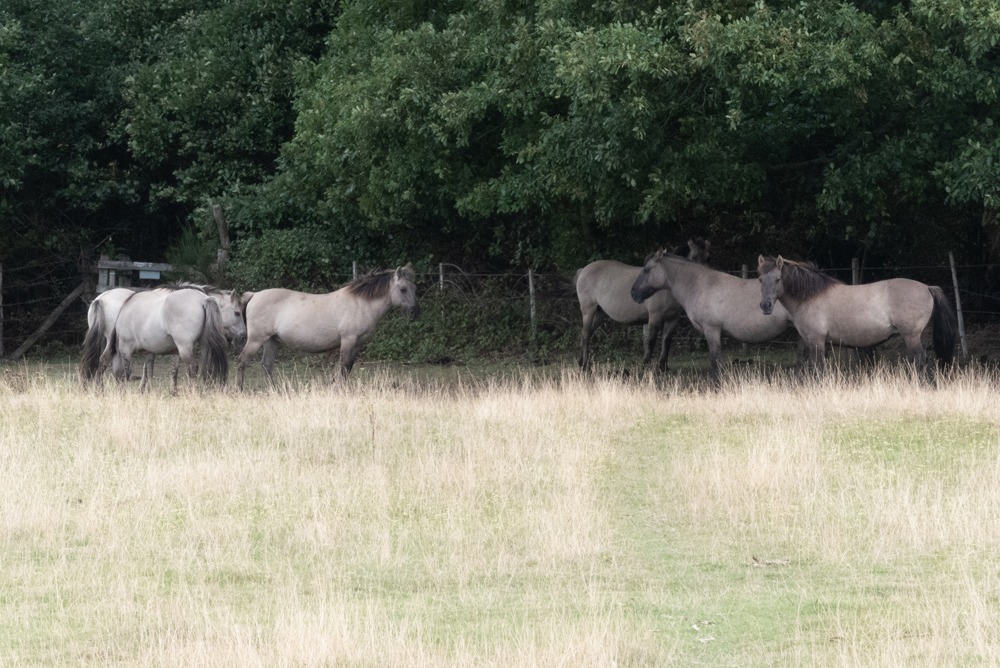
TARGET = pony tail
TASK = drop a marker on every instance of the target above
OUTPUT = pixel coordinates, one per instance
(945, 323)
(215, 364)
(93, 344)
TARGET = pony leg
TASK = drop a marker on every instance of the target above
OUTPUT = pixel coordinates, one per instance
(175, 365)
(249, 350)
(147, 372)
(650, 335)
(348, 353)
(714, 339)
(121, 366)
(267, 360)
(591, 321)
(915, 353)
(668, 337)
(818, 354)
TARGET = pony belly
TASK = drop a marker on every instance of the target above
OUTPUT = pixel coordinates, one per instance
(308, 344)
(862, 338)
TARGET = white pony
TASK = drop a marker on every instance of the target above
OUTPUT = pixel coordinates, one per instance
(166, 322)
(341, 320)
(103, 313)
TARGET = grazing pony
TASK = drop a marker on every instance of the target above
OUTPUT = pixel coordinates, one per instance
(103, 312)
(858, 316)
(603, 290)
(169, 322)
(341, 320)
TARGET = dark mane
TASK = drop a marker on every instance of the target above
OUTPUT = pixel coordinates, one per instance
(376, 284)
(801, 280)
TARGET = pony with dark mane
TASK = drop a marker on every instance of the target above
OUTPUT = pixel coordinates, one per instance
(824, 310)
(341, 320)
(715, 302)
(603, 290)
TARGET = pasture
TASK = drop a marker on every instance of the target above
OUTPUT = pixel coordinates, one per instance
(455, 517)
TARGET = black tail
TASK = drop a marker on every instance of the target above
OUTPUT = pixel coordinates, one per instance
(945, 324)
(214, 363)
(93, 344)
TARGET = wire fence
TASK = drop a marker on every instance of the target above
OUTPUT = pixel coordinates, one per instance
(489, 314)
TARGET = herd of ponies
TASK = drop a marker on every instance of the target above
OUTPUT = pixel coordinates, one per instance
(170, 320)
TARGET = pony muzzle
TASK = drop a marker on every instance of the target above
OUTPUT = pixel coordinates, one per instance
(639, 295)
(767, 307)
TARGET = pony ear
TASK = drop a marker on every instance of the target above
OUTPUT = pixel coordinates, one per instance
(692, 245)
(760, 261)
(659, 254)
(780, 262)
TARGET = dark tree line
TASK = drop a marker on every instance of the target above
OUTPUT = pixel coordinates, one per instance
(493, 134)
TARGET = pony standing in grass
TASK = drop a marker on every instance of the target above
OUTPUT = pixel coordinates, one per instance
(170, 322)
(103, 312)
(603, 290)
(341, 320)
(824, 309)
(714, 301)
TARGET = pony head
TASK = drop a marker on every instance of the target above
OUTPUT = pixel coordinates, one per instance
(231, 307)
(771, 287)
(652, 278)
(403, 292)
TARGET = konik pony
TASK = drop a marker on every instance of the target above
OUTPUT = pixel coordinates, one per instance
(341, 320)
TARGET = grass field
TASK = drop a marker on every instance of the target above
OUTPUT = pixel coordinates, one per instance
(468, 517)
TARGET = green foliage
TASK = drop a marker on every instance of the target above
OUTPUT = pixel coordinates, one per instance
(192, 251)
(494, 322)
(503, 134)
(210, 86)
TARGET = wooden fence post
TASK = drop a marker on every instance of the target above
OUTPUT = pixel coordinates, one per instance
(1, 310)
(224, 244)
(354, 269)
(441, 285)
(531, 299)
(958, 306)
(855, 271)
(746, 275)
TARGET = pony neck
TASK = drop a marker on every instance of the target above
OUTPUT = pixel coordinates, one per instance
(790, 303)
(379, 305)
(674, 265)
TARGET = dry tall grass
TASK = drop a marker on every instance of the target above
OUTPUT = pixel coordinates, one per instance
(522, 521)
